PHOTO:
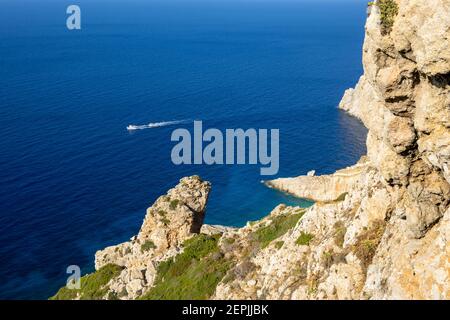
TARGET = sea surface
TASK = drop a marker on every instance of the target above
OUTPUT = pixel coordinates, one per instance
(72, 178)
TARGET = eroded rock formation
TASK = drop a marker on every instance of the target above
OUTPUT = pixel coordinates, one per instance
(171, 220)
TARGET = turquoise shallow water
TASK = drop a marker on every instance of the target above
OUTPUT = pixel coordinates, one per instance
(73, 180)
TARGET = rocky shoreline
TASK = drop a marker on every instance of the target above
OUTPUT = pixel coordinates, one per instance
(378, 230)
(325, 188)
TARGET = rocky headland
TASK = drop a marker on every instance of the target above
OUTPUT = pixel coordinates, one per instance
(378, 230)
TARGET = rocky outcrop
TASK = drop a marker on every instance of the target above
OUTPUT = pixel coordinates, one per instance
(171, 220)
(388, 238)
(324, 188)
(404, 100)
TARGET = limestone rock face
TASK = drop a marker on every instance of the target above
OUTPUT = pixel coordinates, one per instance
(321, 188)
(174, 217)
(171, 220)
(404, 95)
(404, 100)
(388, 237)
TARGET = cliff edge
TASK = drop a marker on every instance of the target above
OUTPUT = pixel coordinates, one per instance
(378, 230)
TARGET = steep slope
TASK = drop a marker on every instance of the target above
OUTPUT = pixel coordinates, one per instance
(398, 230)
(389, 238)
(379, 229)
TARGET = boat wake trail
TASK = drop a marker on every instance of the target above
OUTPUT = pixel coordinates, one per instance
(133, 127)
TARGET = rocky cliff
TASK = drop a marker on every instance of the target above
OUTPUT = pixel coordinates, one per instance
(378, 230)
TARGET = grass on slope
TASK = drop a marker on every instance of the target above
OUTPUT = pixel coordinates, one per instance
(304, 239)
(93, 286)
(368, 241)
(147, 245)
(388, 12)
(191, 275)
(279, 226)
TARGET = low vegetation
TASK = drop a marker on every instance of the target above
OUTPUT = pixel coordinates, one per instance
(339, 233)
(162, 213)
(313, 284)
(388, 12)
(147, 245)
(174, 204)
(93, 286)
(193, 274)
(341, 197)
(240, 271)
(328, 258)
(165, 221)
(229, 241)
(278, 227)
(368, 241)
(279, 244)
(304, 239)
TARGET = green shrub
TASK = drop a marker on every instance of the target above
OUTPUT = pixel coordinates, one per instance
(279, 226)
(304, 239)
(229, 241)
(341, 197)
(93, 286)
(388, 11)
(368, 241)
(200, 246)
(174, 204)
(279, 244)
(112, 296)
(147, 245)
(162, 213)
(165, 221)
(191, 275)
(328, 258)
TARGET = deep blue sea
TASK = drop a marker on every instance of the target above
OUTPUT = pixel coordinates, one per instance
(72, 178)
